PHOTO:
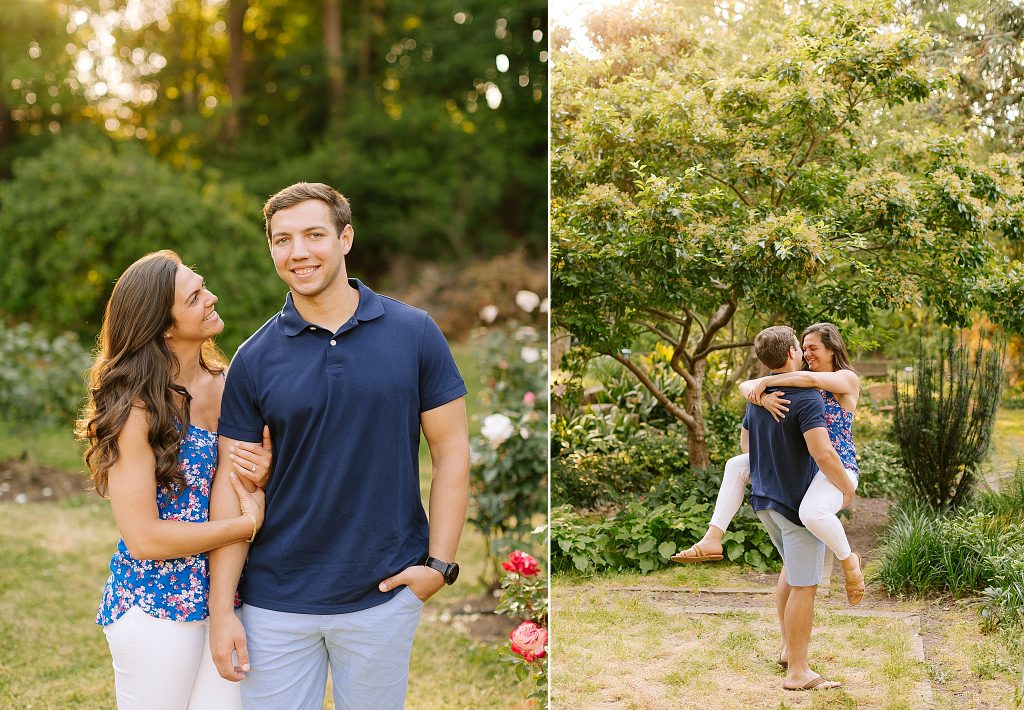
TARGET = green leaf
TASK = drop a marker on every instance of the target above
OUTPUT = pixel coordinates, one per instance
(667, 549)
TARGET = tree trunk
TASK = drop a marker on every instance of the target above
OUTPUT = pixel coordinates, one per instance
(236, 66)
(8, 136)
(696, 430)
(365, 39)
(332, 34)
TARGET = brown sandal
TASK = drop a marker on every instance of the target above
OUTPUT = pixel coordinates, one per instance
(817, 683)
(855, 586)
(697, 555)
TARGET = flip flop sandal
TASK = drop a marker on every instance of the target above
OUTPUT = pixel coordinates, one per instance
(818, 683)
(697, 556)
(855, 587)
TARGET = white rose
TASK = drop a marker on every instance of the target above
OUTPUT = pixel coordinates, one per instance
(488, 313)
(497, 429)
(528, 301)
(530, 355)
(524, 333)
(544, 306)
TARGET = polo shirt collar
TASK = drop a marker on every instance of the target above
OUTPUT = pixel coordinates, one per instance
(370, 306)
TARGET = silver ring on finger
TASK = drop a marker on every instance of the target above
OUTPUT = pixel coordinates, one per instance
(254, 467)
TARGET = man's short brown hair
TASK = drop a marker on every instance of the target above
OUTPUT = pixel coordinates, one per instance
(302, 191)
(772, 345)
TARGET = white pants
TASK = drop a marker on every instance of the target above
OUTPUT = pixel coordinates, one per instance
(166, 665)
(818, 508)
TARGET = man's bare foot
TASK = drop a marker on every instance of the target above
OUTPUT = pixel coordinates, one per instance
(702, 551)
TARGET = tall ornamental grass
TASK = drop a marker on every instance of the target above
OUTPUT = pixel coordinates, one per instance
(976, 550)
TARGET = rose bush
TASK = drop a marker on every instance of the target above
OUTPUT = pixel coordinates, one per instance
(510, 453)
(524, 596)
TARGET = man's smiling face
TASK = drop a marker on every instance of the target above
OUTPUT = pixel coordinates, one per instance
(308, 252)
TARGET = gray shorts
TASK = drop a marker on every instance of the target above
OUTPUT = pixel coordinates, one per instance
(801, 552)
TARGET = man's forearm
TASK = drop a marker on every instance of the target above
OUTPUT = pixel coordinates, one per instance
(225, 562)
(449, 499)
(832, 466)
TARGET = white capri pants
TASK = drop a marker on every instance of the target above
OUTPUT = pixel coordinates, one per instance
(161, 664)
(818, 508)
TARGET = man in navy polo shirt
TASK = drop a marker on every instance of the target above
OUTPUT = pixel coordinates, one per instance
(784, 457)
(338, 574)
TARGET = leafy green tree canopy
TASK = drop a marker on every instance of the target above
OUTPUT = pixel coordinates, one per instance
(73, 218)
(709, 178)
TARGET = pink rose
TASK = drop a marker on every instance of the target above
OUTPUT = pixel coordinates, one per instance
(529, 398)
(521, 563)
(529, 640)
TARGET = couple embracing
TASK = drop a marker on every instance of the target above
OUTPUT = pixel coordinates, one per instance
(299, 465)
(801, 465)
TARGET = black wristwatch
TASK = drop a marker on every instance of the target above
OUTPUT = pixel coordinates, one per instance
(448, 570)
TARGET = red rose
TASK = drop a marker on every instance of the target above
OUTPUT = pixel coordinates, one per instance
(529, 640)
(521, 563)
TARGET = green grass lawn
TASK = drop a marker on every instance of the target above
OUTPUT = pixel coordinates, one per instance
(617, 647)
(54, 557)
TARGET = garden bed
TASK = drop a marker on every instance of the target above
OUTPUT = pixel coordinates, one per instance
(24, 482)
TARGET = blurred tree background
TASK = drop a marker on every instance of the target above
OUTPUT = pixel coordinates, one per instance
(133, 125)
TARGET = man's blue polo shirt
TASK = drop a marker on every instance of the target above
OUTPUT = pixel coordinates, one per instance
(343, 501)
(781, 467)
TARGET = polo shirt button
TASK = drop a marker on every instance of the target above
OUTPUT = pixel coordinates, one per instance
(312, 327)
(334, 342)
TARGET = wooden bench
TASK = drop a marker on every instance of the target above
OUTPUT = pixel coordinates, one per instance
(872, 368)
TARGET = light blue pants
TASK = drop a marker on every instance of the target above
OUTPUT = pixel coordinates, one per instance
(368, 653)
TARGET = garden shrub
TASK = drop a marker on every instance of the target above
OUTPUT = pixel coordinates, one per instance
(75, 216)
(1007, 501)
(587, 480)
(610, 470)
(42, 379)
(723, 433)
(943, 421)
(881, 470)
(964, 553)
(1004, 599)
(507, 476)
(871, 424)
(643, 538)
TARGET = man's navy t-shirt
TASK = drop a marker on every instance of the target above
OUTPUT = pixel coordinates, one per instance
(343, 501)
(781, 467)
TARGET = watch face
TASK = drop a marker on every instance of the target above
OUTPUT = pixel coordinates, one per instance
(452, 573)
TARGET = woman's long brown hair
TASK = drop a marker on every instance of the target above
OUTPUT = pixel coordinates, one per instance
(135, 367)
(833, 341)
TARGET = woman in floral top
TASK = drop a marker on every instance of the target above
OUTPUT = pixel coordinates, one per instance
(149, 426)
(828, 369)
